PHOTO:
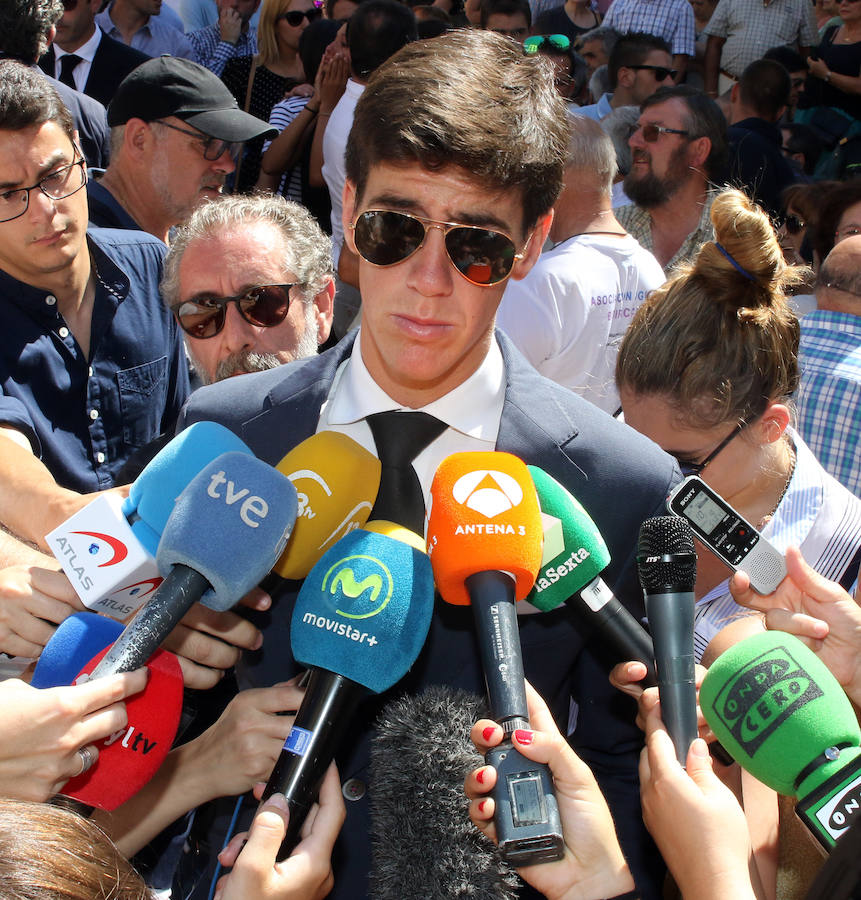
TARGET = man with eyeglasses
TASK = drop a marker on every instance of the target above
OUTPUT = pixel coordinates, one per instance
(828, 400)
(639, 64)
(678, 150)
(175, 131)
(454, 162)
(250, 282)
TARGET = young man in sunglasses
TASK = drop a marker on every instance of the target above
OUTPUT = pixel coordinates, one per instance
(639, 64)
(175, 130)
(453, 165)
(678, 150)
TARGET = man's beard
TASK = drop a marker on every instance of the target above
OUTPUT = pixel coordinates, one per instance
(650, 190)
(246, 361)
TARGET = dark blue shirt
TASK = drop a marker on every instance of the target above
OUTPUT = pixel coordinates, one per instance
(105, 212)
(84, 417)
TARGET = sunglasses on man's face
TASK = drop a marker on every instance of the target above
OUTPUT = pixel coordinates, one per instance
(386, 238)
(652, 132)
(294, 17)
(265, 306)
(662, 73)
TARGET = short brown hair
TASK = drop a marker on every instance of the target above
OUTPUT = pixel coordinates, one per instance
(717, 344)
(469, 99)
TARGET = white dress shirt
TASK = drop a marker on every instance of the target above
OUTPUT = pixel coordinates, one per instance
(87, 52)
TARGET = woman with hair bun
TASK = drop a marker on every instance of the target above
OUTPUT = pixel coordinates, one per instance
(707, 370)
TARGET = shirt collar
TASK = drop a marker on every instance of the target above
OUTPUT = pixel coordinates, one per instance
(86, 51)
(474, 407)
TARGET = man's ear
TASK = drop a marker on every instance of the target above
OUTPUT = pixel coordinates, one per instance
(138, 137)
(324, 303)
(348, 209)
(625, 77)
(533, 249)
(698, 151)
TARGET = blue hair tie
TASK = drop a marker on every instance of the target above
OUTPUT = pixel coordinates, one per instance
(733, 263)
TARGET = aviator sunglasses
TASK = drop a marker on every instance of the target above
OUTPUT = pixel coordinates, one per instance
(536, 42)
(484, 257)
(264, 306)
(294, 16)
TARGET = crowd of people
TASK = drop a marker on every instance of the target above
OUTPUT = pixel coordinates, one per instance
(619, 239)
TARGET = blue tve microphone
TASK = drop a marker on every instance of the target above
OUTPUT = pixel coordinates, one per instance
(77, 640)
(227, 529)
(360, 621)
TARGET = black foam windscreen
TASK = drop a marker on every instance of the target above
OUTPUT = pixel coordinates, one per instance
(666, 558)
(424, 845)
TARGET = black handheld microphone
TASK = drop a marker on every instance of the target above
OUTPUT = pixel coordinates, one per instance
(667, 564)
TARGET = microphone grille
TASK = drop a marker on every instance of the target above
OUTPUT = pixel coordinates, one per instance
(666, 555)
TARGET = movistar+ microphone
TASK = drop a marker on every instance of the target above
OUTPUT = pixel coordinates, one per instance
(360, 621)
(484, 538)
(574, 557)
(783, 717)
(107, 549)
(667, 564)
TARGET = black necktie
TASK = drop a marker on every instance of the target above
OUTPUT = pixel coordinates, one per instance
(67, 66)
(400, 437)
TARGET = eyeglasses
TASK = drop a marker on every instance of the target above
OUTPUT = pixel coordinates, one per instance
(213, 148)
(61, 183)
(265, 306)
(294, 17)
(662, 73)
(652, 132)
(689, 467)
(537, 42)
(386, 238)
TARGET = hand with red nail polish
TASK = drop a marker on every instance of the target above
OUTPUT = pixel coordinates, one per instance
(593, 866)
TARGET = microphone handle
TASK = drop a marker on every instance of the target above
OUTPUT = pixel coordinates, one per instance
(671, 618)
(173, 598)
(326, 711)
(616, 627)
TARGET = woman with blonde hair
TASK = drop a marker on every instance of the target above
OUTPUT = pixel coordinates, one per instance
(259, 82)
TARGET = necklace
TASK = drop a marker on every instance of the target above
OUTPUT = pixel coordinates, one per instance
(792, 460)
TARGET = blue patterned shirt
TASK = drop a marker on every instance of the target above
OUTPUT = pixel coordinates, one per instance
(673, 20)
(212, 52)
(829, 396)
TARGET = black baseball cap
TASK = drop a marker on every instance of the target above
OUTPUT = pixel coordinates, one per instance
(171, 86)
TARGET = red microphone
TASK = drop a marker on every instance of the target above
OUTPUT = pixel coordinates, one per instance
(485, 544)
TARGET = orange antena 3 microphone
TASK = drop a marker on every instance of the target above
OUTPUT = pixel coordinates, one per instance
(485, 545)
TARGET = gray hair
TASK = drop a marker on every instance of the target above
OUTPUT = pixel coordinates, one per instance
(603, 33)
(591, 150)
(599, 83)
(24, 27)
(308, 254)
(618, 124)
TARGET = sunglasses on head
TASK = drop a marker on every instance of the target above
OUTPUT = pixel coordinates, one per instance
(386, 238)
(538, 42)
(264, 306)
(294, 17)
(662, 73)
(652, 132)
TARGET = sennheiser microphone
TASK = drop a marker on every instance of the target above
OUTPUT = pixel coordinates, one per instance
(360, 621)
(485, 542)
(783, 717)
(574, 557)
(667, 563)
(424, 846)
(225, 532)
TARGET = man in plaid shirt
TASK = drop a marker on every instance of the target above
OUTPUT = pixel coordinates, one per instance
(829, 396)
(228, 37)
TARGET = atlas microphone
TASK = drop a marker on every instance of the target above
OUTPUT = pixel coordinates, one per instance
(485, 543)
(226, 530)
(783, 717)
(360, 621)
(107, 549)
(574, 557)
(667, 564)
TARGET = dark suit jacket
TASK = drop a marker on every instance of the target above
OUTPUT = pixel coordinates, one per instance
(757, 164)
(620, 477)
(112, 62)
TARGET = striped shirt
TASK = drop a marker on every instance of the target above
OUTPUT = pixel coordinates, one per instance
(816, 514)
(750, 28)
(213, 53)
(673, 20)
(829, 396)
(282, 115)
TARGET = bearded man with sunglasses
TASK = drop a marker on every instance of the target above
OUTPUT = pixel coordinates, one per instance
(175, 132)
(454, 161)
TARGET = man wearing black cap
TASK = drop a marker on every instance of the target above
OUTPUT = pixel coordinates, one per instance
(175, 130)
